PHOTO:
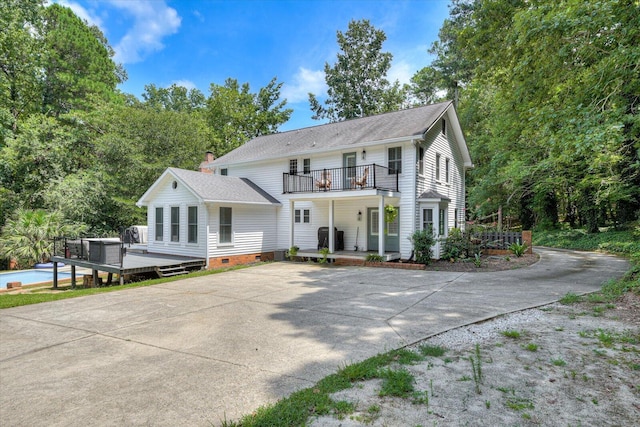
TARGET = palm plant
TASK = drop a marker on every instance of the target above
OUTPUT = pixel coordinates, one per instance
(28, 236)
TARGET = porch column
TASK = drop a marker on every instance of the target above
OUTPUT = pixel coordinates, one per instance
(381, 224)
(55, 275)
(332, 233)
(291, 221)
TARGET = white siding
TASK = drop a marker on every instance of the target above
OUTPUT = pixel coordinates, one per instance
(167, 197)
(252, 229)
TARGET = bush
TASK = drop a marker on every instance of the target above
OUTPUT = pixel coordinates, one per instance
(374, 258)
(518, 248)
(423, 241)
(458, 245)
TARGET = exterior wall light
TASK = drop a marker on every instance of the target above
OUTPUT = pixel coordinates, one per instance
(359, 215)
(364, 155)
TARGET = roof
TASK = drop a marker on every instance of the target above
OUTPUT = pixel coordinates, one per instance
(397, 125)
(433, 195)
(214, 188)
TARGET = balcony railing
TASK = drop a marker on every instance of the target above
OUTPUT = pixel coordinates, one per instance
(351, 178)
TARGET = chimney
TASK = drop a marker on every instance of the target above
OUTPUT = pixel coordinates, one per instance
(205, 165)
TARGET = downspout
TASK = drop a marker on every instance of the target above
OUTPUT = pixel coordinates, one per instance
(414, 196)
(206, 235)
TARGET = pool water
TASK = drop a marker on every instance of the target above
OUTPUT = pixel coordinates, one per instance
(28, 277)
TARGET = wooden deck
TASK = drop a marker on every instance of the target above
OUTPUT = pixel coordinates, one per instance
(132, 263)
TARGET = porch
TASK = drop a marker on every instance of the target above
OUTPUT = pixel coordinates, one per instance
(349, 178)
(352, 255)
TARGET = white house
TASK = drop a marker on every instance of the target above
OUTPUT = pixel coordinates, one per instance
(277, 190)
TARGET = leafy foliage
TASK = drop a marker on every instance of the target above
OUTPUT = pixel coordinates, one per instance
(357, 81)
(423, 241)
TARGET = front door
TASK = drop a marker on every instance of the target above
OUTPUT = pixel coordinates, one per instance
(349, 169)
(392, 238)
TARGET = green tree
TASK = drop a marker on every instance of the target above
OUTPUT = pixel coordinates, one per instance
(28, 235)
(78, 62)
(173, 98)
(20, 60)
(357, 84)
(236, 115)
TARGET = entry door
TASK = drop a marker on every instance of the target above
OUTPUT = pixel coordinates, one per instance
(392, 238)
(349, 169)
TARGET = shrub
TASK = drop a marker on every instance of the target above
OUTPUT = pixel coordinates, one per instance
(518, 249)
(293, 251)
(374, 258)
(324, 252)
(423, 241)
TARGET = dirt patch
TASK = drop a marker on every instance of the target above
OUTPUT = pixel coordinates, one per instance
(487, 263)
(557, 365)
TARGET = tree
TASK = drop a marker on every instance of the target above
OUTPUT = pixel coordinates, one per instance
(235, 115)
(549, 101)
(357, 81)
(20, 59)
(173, 98)
(78, 62)
(28, 235)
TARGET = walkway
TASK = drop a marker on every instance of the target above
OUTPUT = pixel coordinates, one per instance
(195, 351)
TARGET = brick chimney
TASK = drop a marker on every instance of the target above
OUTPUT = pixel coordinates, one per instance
(205, 166)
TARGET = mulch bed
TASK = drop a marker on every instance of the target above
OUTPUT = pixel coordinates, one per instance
(489, 263)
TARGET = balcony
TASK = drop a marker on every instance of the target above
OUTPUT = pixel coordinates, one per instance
(351, 178)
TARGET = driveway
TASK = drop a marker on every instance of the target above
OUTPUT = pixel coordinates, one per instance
(197, 351)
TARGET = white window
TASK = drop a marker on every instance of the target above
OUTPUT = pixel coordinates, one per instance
(395, 160)
(374, 222)
(444, 127)
(159, 224)
(224, 171)
(427, 219)
(306, 166)
(455, 218)
(175, 224)
(302, 215)
(441, 224)
(293, 166)
(192, 227)
(447, 169)
(421, 160)
(437, 167)
(225, 225)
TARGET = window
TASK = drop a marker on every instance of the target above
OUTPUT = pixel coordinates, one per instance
(293, 166)
(437, 167)
(306, 166)
(421, 160)
(374, 222)
(444, 127)
(305, 217)
(224, 171)
(427, 219)
(455, 218)
(225, 225)
(192, 230)
(395, 160)
(393, 227)
(441, 223)
(446, 169)
(159, 224)
(175, 224)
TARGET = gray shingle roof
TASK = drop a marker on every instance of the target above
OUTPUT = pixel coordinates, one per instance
(218, 188)
(413, 122)
(431, 194)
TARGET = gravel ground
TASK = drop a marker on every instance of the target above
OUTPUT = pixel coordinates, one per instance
(566, 366)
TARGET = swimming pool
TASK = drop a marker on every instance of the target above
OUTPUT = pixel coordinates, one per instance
(28, 277)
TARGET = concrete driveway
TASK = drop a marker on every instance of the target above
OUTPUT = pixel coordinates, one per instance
(197, 351)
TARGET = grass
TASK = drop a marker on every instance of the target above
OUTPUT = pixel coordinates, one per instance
(397, 383)
(65, 292)
(511, 334)
(432, 350)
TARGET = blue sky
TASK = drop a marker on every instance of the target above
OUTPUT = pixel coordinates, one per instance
(198, 42)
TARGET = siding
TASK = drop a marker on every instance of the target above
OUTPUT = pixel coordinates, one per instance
(252, 230)
(167, 197)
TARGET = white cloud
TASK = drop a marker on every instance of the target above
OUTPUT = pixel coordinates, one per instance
(401, 71)
(152, 22)
(185, 83)
(82, 13)
(304, 81)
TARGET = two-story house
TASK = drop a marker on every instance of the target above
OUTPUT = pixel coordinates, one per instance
(276, 191)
